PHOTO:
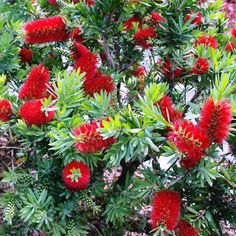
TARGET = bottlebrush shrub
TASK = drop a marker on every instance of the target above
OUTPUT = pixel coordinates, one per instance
(121, 123)
(76, 176)
(52, 29)
(5, 110)
(35, 86)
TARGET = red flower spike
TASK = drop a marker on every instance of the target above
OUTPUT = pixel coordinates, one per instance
(197, 20)
(35, 85)
(98, 83)
(76, 176)
(165, 209)
(143, 35)
(230, 46)
(186, 229)
(233, 32)
(189, 140)
(5, 110)
(139, 72)
(89, 139)
(167, 110)
(215, 119)
(166, 69)
(75, 35)
(53, 2)
(85, 60)
(156, 17)
(26, 55)
(31, 112)
(52, 29)
(90, 3)
(201, 66)
(128, 24)
(208, 41)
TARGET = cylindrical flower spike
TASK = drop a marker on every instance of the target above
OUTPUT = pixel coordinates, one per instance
(35, 86)
(165, 209)
(52, 29)
(5, 110)
(215, 119)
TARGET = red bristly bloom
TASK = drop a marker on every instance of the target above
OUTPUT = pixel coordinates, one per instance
(230, 46)
(90, 3)
(5, 110)
(139, 72)
(98, 83)
(189, 140)
(167, 110)
(76, 176)
(186, 229)
(197, 20)
(201, 66)
(166, 69)
(215, 119)
(26, 55)
(75, 35)
(85, 60)
(89, 139)
(53, 2)
(52, 29)
(165, 209)
(207, 41)
(157, 18)
(35, 85)
(142, 36)
(31, 112)
(233, 32)
(128, 24)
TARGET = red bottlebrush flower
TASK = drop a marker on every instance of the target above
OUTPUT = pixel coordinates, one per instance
(5, 110)
(189, 140)
(26, 55)
(197, 20)
(98, 83)
(215, 119)
(52, 29)
(89, 139)
(156, 17)
(90, 3)
(75, 35)
(233, 32)
(35, 85)
(167, 110)
(76, 176)
(128, 24)
(85, 60)
(166, 70)
(201, 66)
(165, 209)
(186, 229)
(31, 112)
(53, 2)
(139, 72)
(143, 35)
(230, 46)
(207, 41)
